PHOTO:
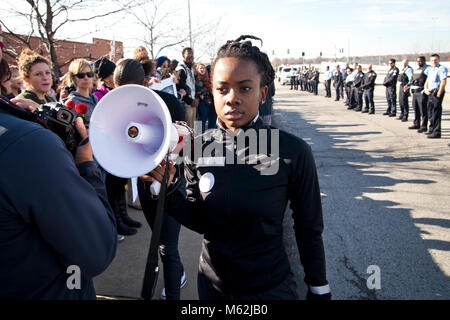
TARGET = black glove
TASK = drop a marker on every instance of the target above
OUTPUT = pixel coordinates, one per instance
(317, 297)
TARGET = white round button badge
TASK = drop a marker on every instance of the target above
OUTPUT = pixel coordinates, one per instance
(206, 182)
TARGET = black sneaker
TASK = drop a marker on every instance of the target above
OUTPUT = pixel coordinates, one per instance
(392, 115)
(434, 136)
(421, 130)
(404, 120)
(386, 114)
(413, 127)
(372, 112)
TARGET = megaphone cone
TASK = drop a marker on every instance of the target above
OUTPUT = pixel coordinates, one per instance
(130, 131)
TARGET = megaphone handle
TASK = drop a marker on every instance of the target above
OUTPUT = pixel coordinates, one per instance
(155, 188)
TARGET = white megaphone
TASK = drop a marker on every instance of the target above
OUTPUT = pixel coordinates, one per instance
(131, 132)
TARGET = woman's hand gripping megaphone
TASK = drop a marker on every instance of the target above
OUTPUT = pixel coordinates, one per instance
(158, 173)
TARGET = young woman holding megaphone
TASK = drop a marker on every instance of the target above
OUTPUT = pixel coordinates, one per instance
(239, 206)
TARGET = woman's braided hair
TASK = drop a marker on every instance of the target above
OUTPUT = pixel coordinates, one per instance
(245, 50)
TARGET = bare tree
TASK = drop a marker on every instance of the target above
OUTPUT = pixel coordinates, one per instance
(165, 25)
(160, 32)
(46, 17)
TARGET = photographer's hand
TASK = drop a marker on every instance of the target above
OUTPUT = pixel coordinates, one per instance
(26, 104)
(84, 152)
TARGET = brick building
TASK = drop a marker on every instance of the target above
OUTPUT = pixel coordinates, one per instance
(66, 50)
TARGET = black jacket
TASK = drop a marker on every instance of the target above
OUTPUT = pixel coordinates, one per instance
(391, 78)
(182, 85)
(53, 214)
(369, 80)
(241, 215)
(359, 80)
(337, 79)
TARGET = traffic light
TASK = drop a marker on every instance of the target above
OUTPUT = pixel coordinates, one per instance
(320, 53)
(303, 54)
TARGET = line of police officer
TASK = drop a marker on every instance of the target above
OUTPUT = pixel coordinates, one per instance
(307, 78)
(426, 84)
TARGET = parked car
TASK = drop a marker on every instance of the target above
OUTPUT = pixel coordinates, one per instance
(286, 74)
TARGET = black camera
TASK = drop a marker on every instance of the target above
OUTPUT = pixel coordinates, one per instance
(58, 118)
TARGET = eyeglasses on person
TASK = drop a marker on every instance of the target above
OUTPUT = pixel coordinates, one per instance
(83, 74)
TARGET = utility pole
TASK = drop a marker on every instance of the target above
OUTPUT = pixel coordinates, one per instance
(190, 30)
(348, 50)
(432, 34)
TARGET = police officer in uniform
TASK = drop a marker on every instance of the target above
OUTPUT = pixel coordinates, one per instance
(391, 95)
(348, 87)
(310, 80)
(315, 80)
(337, 82)
(368, 87)
(358, 90)
(303, 79)
(403, 90)
(435, 90)
(327, 82)
(419, 99)
(293, 78)
(344, 75)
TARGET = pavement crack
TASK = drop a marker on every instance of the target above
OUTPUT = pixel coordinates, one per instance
(360, 283)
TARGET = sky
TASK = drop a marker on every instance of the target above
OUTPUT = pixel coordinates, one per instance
(357, 27)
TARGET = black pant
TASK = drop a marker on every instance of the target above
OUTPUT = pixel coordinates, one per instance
(287, 290)
(338, 92)
(327, 84)
(315, 85)
(435, 104)
(391, 97)
(420, 106)
(403, 102)
(115, 189)
(348, 93)
(368, 97)
(168, 244)
(355, 98)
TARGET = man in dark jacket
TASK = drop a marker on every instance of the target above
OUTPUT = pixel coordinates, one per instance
(57, 230)
(357, 89)
(315, 80)
(391, 95)
(368, 87)
(338, 82)
(187, 83)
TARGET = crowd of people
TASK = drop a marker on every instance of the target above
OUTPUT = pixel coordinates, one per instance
(425, 85)
(89, 217)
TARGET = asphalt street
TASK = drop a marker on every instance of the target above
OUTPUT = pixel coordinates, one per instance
(385, 195)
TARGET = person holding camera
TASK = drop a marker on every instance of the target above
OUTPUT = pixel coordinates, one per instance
(239, 205)
(204, 96)
(37, 74)
(57, 230)
(104, 69)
